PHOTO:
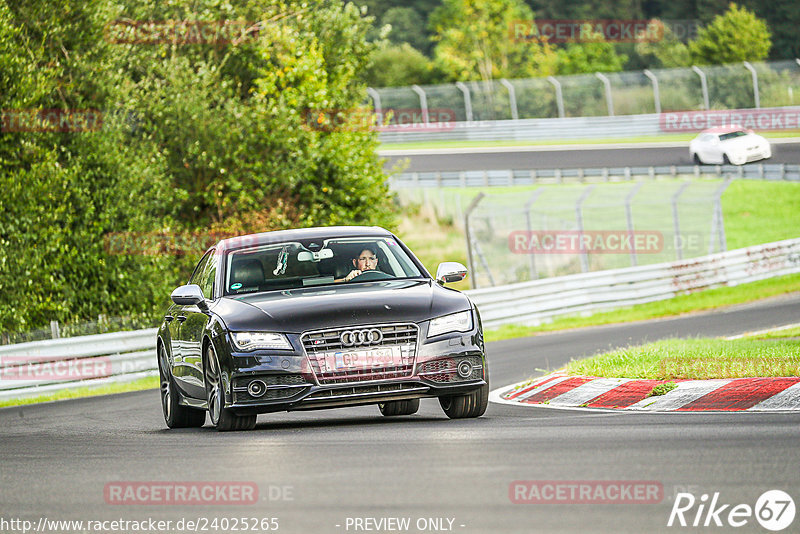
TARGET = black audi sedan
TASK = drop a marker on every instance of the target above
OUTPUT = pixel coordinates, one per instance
(318, 318)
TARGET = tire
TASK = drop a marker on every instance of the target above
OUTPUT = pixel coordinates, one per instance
(221, 417)
(401, 407)
(696, 159)
(175, 415)
(725, 160)
(466, 406)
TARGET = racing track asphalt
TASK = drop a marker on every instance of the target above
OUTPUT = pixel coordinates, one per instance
(55, 459)
(542, 157)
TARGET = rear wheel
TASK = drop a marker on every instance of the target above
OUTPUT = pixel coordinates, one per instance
(222, 418)
(725, 160)
(465, 406)
(696, 159)
(401, 407)
(175, 415)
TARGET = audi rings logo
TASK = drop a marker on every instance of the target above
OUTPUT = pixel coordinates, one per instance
(351, 338)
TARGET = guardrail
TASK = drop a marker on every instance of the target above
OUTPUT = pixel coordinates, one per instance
(511, 177)
(622, 126)
(42, 367)
(542, 300)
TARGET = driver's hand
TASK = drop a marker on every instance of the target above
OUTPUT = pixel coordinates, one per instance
(352, 275)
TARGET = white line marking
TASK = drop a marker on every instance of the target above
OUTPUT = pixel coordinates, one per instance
(760, 332)
(788, 399)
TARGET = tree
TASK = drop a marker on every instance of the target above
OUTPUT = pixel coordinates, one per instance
(476, 40)
(667, 52)
(403, 65)
(592, 55)
(408, 26)
(735, 36)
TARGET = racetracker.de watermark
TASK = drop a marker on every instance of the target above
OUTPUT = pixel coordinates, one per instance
(181, 493)
(180, 32)
(590, 241)
(586, 492)
(50, 120)
(753, 119)
(586, 30)
(394, 120)
(23, 367)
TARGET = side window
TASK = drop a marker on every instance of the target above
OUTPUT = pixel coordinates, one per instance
(200, 274)
(206, 282)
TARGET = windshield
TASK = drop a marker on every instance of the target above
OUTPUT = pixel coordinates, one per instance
(732, 135)
(292, 265)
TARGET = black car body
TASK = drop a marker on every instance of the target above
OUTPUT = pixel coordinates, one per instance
(268, 323)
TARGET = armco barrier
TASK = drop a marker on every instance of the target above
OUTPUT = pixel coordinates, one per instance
(42, 367)
(131, 355)
(513, 177)
(542, 300)
(623, 126)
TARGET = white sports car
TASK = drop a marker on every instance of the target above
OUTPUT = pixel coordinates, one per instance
(728, 145)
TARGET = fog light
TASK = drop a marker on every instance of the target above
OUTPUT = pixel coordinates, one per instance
(464, 369)
(256, 388)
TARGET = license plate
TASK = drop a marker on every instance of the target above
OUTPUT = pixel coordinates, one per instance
(362, 359)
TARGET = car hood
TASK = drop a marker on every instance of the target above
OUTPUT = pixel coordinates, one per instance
(744, 142)
(312, 308)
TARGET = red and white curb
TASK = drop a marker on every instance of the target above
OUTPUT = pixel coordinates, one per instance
(558, 390)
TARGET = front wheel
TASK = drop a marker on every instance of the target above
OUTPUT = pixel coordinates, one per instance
(175, 414)
(401, 407)
(222, 418)
(466, 406)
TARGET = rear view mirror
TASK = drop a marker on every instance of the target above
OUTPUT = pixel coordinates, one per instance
(323, 254)
(450, 271)
(188, 295)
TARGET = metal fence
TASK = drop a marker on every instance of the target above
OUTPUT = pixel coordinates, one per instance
(514, 177)
(554, 231)
(734, 86)
(541, 300)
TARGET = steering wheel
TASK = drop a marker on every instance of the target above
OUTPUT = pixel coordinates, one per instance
(366, 276)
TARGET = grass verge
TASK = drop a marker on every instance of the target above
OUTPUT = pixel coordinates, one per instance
(697, 359)
(137, 385)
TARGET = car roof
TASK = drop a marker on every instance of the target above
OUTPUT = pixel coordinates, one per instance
(325, 232)
(725, 129)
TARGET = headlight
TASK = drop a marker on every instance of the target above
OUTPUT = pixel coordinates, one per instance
(455, 322)
(246, 341)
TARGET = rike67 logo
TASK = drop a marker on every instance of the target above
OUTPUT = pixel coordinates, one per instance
(774, 510)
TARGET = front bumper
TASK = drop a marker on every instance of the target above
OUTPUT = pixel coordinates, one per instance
(338, 396)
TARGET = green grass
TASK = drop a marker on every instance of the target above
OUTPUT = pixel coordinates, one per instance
(758, 212)
(698, 301)
(697, 359)
(779, 334)
(137, 385)
(666, 138)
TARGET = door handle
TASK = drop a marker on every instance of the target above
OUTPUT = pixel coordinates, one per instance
(181, 318)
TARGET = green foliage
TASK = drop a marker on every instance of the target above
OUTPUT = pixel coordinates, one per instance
(475, 41)
(408, 26)
(400, 65)
(595, 55)
(668, 52)
(195, 138)
(737, 35)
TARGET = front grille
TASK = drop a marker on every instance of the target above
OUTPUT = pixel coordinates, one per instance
(401, 337)
(444, 370)
(278, 387)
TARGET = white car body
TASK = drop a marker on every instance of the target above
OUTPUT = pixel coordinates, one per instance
(729, 144)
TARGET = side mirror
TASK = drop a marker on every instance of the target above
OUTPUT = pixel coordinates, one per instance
(189, 295)
(450, 271)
